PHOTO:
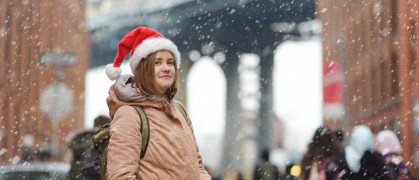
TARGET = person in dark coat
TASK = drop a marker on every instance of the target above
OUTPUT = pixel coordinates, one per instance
(323, 147)
(81, 144)
(265, 170)
(359, 160)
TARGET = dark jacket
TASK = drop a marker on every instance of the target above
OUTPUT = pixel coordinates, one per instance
(265, 171)
(373, 166)
(83, 153)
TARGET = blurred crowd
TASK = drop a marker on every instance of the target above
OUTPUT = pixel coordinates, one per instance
(362, 156)
(332, 156)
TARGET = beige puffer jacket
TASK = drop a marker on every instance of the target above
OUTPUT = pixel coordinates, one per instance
(172, 151)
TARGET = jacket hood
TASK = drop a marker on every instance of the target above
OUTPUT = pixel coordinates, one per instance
(360, 142)
(123, 93)
(126, 91)
(387, 142)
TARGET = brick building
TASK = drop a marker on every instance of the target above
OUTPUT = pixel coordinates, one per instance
(377, 44)
(28, 31)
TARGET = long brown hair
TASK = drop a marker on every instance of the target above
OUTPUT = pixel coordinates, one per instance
(323, 145)
(145, 78)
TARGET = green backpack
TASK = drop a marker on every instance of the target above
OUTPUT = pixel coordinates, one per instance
(101, 139)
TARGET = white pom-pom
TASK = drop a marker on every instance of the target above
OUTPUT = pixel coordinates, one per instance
(113, 72)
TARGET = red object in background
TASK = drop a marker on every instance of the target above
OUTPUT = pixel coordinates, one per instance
(332, 83)
(279, 132)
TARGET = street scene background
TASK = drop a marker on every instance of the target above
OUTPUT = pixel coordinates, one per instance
(255, 74)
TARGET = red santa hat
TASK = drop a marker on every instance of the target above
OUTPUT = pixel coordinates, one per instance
(141, 42)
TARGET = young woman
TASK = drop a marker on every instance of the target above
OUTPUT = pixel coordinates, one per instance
(172, 151)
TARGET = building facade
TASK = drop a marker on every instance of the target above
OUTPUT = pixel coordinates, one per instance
(44, 54)
(377, 44)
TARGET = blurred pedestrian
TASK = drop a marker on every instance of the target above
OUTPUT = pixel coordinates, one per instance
(322, 148)
(172, 151)
(100, 121)
(81, 145)
(389, 146)
(265, 170)
(359, 160)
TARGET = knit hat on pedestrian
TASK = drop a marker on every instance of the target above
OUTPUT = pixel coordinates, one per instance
(388, 142)
(141, 42)
(360, 142)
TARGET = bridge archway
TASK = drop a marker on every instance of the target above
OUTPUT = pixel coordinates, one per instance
(206, 105)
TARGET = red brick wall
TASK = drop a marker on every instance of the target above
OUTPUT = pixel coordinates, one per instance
(28, 29)
(377, 41)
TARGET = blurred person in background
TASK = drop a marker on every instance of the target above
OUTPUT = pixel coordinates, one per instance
(389, 146)
(81, 145)
(359, 160)
(322, 148)
(265, 170)
(172, 151)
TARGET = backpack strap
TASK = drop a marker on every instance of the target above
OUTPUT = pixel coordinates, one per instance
(145, 127)
(182, 110)
(145, 130)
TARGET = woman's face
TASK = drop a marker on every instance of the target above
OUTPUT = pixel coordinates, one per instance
(164, 70)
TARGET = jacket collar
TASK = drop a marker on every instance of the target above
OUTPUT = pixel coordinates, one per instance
(161, 104)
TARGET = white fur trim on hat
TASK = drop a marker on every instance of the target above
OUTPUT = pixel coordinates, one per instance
(150, 46)
(113, 72)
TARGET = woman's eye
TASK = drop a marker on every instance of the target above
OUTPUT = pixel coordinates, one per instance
(156, 62)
